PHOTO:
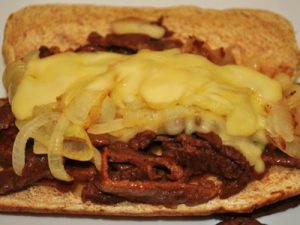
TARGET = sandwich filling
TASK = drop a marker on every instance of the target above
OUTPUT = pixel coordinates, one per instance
(161, 127)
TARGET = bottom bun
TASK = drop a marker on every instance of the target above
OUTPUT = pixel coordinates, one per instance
(278, 184)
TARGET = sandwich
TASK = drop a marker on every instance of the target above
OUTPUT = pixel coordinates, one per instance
(148, 112)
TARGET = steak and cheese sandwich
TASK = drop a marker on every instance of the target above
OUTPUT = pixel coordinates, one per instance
(148, 112)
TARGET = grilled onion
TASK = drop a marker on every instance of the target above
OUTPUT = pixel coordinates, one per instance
(108, 110)
(19, 147)
(292, 148)
(279, 122)
(84, 109)
(55, 150)
(76, 144)
(97, 159)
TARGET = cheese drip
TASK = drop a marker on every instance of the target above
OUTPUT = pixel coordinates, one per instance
(230, 100)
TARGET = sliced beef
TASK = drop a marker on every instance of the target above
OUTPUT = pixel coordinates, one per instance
(147, 164)
(81, 171)
(206, 154)
(44, 51)
(117, 145)
(141, 41)
(132, 172)
(36, 168)
(99, 140)
(6, 117)
(162, 193)
(232, 187)
(91, 193)
(199, 155)
(273, 156)
(125, 171)
(165, 193)
(142, 140)
(245, 172)
(126, 43)
(220, 56)
(7, 138)
(8, 132)
(213, 139)
(95, 43)
(120, 50)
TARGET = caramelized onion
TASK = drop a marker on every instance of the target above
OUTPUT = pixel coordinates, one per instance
(18, 155)
(279, 122)
(108, 110)
(77, 144)
(292, 148)
(84, 109)
(97, 159)
(55, 150)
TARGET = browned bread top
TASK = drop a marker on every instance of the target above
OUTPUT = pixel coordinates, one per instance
(257, 38)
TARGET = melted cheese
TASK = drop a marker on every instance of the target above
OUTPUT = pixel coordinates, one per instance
(230, 100)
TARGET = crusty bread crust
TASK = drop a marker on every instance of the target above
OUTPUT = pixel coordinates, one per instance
(278, 184)
(257, 38)
(274, 50)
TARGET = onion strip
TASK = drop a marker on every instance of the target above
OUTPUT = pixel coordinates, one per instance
(96, 160)
(19, 147)
(77, 144)
(55, 154)
(80, 109)
(292, 148)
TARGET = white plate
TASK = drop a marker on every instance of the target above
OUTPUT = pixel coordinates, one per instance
(288, 8)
